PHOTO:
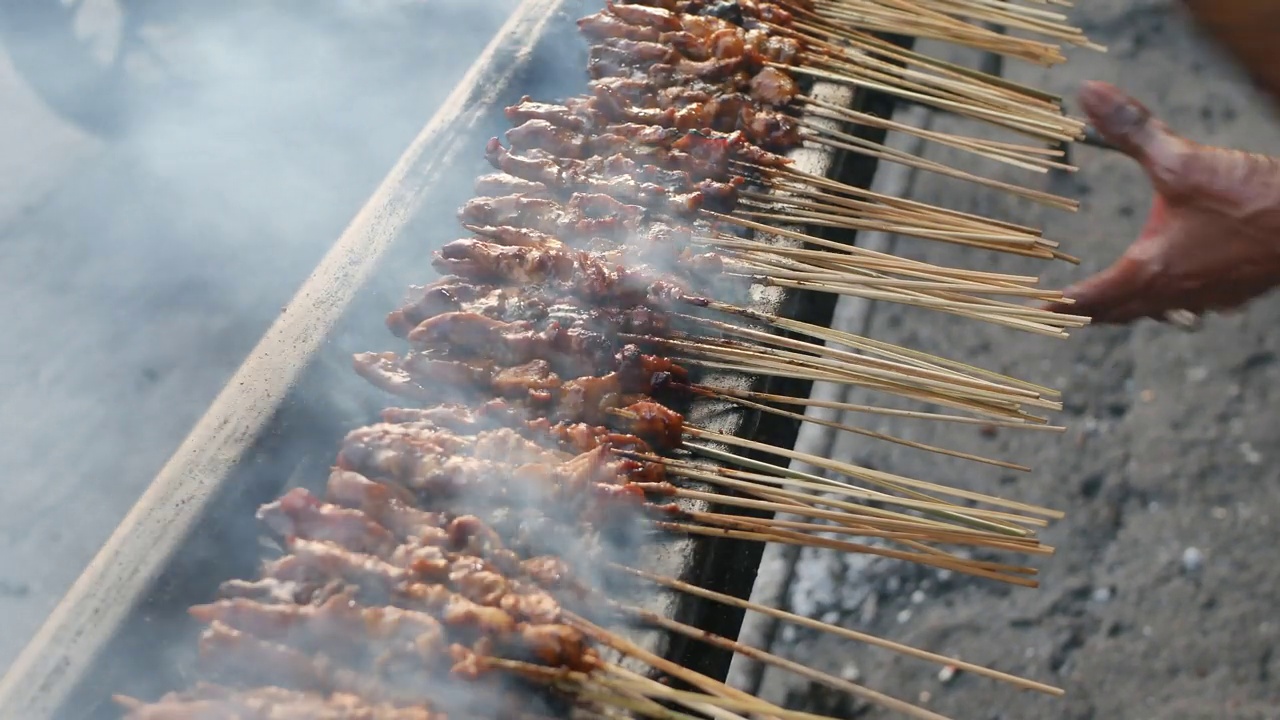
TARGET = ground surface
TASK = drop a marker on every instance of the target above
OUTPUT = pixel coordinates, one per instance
(1161, 601)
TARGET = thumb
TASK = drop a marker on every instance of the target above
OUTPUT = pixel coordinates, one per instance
(1127, 124)
(1115, 295)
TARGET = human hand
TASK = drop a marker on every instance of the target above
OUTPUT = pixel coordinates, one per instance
(1212, 238)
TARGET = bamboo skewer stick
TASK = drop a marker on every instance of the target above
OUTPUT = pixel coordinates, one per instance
(939, 395)
(844, 363)
(974, 520)
(904, 538)
(951, 307)
(751, 705)
(843, 259)
(844, 141)
(694, 679)
(879, 436)
(832, 360)
(711, 711)
(787, 268)
(874, 54)
(980, 524)
(732, 394)
(962, 91)
(990, 410)
(772, 475)
(1038, 165)
(891, 481)
(772, 531)
(764, 268)
(845, 522)
(991, 229)
(802, 540)
(851, 688)
(848, 513)
(636, 691)
(1032, 127)
(1019, 155)
(865, 18)
(846, 633)
(895, 357)
(794, 176)
(848, 528)
(868, 210)
(958, 371)
(851, 257)
(773, 481)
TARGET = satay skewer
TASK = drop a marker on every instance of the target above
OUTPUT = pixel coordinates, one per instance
(819, 491)
(730, 395)
(850, 688)
(844, 141)
(845, 522)
(843, 427)
(1030, 157)
(847, 633)
(897, 483)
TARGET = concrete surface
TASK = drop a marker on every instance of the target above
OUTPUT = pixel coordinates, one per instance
(135, 274)
(1161, 601)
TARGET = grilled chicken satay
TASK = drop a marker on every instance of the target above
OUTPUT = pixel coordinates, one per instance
(213, 702)
(726, 112)
(721, 8)
(595, 277)
(392, 506)
(586, 398)
(670, 49)
(697, 159)
(233, 652)
(618, 276)
(522, 304)
(639, 141)
(570, 314)
(436, 476)
(552, 158)
(463, 619)
(329, 628)
(573, 349)
(583, 215)
(576, 437)
(504, 184)
(461, 552)
(295, 514)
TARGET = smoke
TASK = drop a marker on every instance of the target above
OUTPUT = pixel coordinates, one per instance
(136, 287)
(156, 269)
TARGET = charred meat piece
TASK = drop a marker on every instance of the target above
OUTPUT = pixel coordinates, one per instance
(389, 505)
(300, 514)
(386, 372)
(584, 215)
(620, 176)
(654, 17)
(604, 25)
(331, 626)
(572, 348)
(774, 87)
(596, 277)
(504, 184)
